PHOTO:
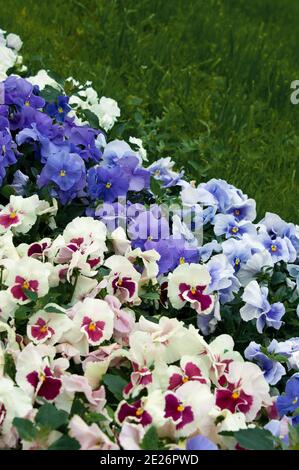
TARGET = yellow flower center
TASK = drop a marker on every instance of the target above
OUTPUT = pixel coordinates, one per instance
(62, 173)
(13, 215)
(3, 148)
(193, 290)
(27, 103)
(108, 185)
(235, 395)
(180, 408)
(273, 248)
(26, 285)
(237, 212)
(42, 377)
(43, 329)
(60, 110)
(92, 326)
(235, 229)
(139, 411)
(295, 401)
(237, 261)
(185, 379)
(120, 282)
(182, 260)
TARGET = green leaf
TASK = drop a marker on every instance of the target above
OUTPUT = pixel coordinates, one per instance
(52, 309)
(151, 296)
(91, 118)
(115, 384)
(156, 187)
(7, 191)
(22, 313)
(30, 294)
(255, 439)
(278, 278)
(150, 440)
(25, 428)
(65, 443)
(93, 417)
(9, 366)
(49, 93)
(48, 415)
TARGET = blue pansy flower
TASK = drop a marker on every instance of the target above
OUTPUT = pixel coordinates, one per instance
(59, 109)
(107, 184)
(273, 370)
(200, 443)
(289, 402)
(258, 307)
(66, 171)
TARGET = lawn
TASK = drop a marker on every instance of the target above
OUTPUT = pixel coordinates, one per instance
(205, 81)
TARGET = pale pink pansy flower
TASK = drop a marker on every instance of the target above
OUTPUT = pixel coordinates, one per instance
(189, 283)
(90, 437)
(124, 319)
(131, 436)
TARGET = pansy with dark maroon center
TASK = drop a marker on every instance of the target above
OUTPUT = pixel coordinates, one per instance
(36, 249)
(94, 329)
(41, 330)
(21, 285)
(190, 372)
(175, 409)
(136, 411)
(125, 285)
(196, 293)
(233, 398)
(94, 262)
(10, 219)
(140, 376)
(77, 241)
(44, 383)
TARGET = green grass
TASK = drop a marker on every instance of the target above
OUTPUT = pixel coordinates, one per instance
(205, 81)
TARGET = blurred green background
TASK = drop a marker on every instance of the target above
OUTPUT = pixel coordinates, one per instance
(204, 81)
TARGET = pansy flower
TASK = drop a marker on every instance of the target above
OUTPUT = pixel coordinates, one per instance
(177, 411)
(190, 370)
(48, 327)
(189, 283)
(123, 279)
(243, 389)
(258, 307)
(35, 374)
(27, 274)
(94, 319)
(20, 214)
(135, 412)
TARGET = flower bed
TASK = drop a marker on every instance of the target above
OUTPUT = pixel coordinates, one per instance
(138, 310)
